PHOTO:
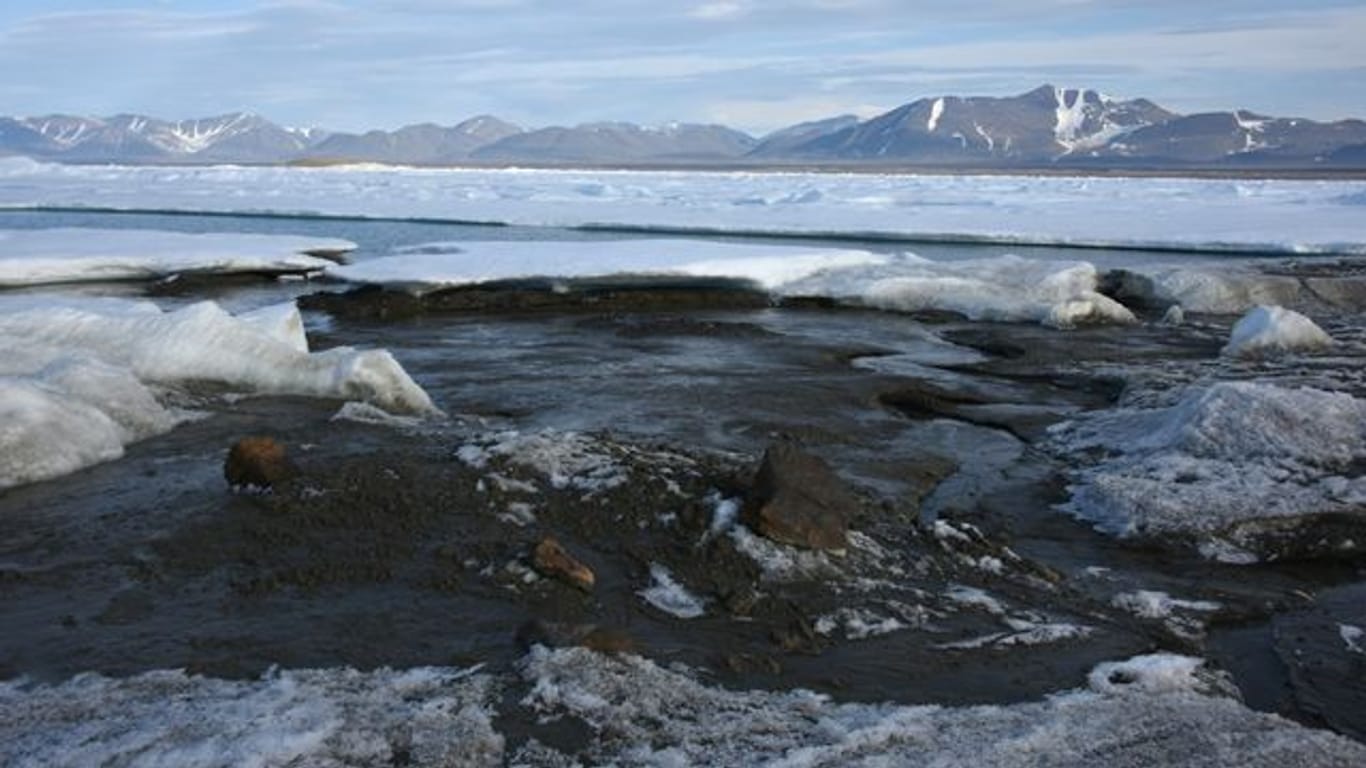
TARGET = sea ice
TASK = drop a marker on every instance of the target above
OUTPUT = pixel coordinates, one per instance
(1274, 329)
(68, 255)
(1293, 217)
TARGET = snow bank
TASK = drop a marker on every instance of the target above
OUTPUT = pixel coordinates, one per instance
(334, 717)
(1226, 464)
(1152, 710)
(1008, 288)
(38, 256)
(1194, 214)
(79, 380)
(1274, 329)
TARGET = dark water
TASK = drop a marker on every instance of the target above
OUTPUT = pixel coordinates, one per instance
(141, 563)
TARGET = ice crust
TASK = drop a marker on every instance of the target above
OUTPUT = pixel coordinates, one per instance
(1218, 463)
(1151, 710)
(332, 717)
(1274, 329)
(1160, 709)
(68, 255)
(1210, 214)
(81, 379)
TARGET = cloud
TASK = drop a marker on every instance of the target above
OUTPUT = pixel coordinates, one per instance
(719, 10)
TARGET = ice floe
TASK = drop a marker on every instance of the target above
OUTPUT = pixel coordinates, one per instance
(1275, 329)
(1200, 214)
(81, 379)
(1237, 467)
(67, 255)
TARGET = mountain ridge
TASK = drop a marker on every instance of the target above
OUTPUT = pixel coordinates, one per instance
(1048, 126)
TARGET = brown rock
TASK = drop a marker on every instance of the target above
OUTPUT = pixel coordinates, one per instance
(550, 559)
(797, 499)
(258, 461)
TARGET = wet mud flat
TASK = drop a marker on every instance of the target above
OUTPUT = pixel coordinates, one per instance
(632, 427)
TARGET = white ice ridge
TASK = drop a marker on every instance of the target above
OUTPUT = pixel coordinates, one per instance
(81, 379)
(1233, 216)
(1275, 329)
(1223, 461)
(1150, 710)
(69, 255)
(1006, 288)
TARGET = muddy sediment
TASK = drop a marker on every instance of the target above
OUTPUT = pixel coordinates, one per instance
(629, 426)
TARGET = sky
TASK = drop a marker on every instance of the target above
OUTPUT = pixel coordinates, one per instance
(757, 65)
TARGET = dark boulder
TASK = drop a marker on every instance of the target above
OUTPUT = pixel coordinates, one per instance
(797, 499)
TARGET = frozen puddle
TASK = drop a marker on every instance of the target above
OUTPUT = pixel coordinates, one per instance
(1152, 710)
(82, 378)
(70, 255)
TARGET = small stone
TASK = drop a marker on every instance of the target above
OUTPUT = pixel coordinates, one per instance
(258, 461)
(797, 499)
(551, 560)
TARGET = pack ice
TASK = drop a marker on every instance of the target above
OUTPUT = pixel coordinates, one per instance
(82, 378)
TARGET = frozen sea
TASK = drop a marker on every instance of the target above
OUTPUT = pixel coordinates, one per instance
(1107, 439)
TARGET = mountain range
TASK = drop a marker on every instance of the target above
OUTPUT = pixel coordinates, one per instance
(1046, 127)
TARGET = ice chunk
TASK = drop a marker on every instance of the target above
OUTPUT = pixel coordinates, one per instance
(34, 257)
(1219, 465)
(671, 597)
(1274, 329)
(1352, 637)
(79, 379)
(279, 321)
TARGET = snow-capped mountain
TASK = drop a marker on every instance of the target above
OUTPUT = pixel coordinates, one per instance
(237, 137)
(1044, 124)
(1046, 127)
